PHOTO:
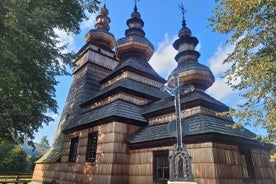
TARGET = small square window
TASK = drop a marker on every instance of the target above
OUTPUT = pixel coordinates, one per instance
(161, 165)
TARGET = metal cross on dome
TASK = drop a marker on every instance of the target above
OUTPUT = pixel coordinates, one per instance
(183, 11)
(180, 159)
(135, 5)
(135, 1)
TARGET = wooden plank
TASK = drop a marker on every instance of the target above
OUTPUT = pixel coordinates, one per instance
(11, 177)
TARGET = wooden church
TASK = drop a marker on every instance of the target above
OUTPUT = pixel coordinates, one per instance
(114, 128)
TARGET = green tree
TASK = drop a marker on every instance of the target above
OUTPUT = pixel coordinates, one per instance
(5, 147)
(252, 26)
(13, 158)
(30, 60)
(43, 146)
(16, 160)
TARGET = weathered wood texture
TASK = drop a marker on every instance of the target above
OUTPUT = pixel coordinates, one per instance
(228, 168)
(123, 96)
(112, 160)
(131, 75)
(140, 170)
(185, 113)
(263, 168)
(98, 56)
(273, 166)
(212, 163)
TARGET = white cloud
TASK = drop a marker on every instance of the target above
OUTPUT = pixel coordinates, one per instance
(216, 61)
(162, 60)
(220, 90)
(198, 47)
(69, 39)
(65, 39)
(88, 23)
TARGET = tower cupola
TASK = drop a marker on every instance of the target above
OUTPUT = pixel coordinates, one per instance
(188, 68)
(135, 44)
(100, 36)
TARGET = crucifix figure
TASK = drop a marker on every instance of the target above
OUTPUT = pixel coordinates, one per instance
(180, 159)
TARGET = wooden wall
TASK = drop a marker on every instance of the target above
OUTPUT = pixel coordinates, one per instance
(112, 160)
(263, 170)
(212, 163)
(273, 166)
(141, 160)
(203, 169)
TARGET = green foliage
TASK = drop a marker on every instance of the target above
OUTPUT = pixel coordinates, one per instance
(252, 25)
(43, 146)
(13, 158)
(273, 158)
(30, 60)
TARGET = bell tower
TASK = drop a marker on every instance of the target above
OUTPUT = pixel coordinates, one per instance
(96, 60)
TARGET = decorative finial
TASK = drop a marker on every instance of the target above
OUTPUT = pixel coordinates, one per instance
(183, 11)
(135, 7)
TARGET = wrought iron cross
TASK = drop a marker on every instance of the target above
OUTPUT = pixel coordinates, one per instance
(180, 159)
(183, 11)
(135, 6)
(135, 1)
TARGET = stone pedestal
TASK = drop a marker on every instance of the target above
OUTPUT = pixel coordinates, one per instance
(182, 182)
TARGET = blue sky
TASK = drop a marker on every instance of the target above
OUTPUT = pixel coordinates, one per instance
(162, 22)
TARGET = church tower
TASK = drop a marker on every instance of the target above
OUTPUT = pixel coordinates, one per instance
(96, 59)
(188, 68)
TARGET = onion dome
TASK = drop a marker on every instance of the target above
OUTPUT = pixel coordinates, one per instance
(100, 36)
(188, 68)
(134, 44)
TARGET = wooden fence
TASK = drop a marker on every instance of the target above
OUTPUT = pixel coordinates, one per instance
(16, 178)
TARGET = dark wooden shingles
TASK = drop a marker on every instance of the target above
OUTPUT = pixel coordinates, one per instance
(117, 108)
(198, 124)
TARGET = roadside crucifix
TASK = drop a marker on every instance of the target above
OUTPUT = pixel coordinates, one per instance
(180, 159)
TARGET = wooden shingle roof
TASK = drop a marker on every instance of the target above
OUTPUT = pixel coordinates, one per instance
(142, 68)
(132, 87)
(198, 124)
(117, 109)
(195, 96)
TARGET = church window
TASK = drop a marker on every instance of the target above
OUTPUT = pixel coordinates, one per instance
(92, 147)
(73, 149)
(247, 164)
(161, 165)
